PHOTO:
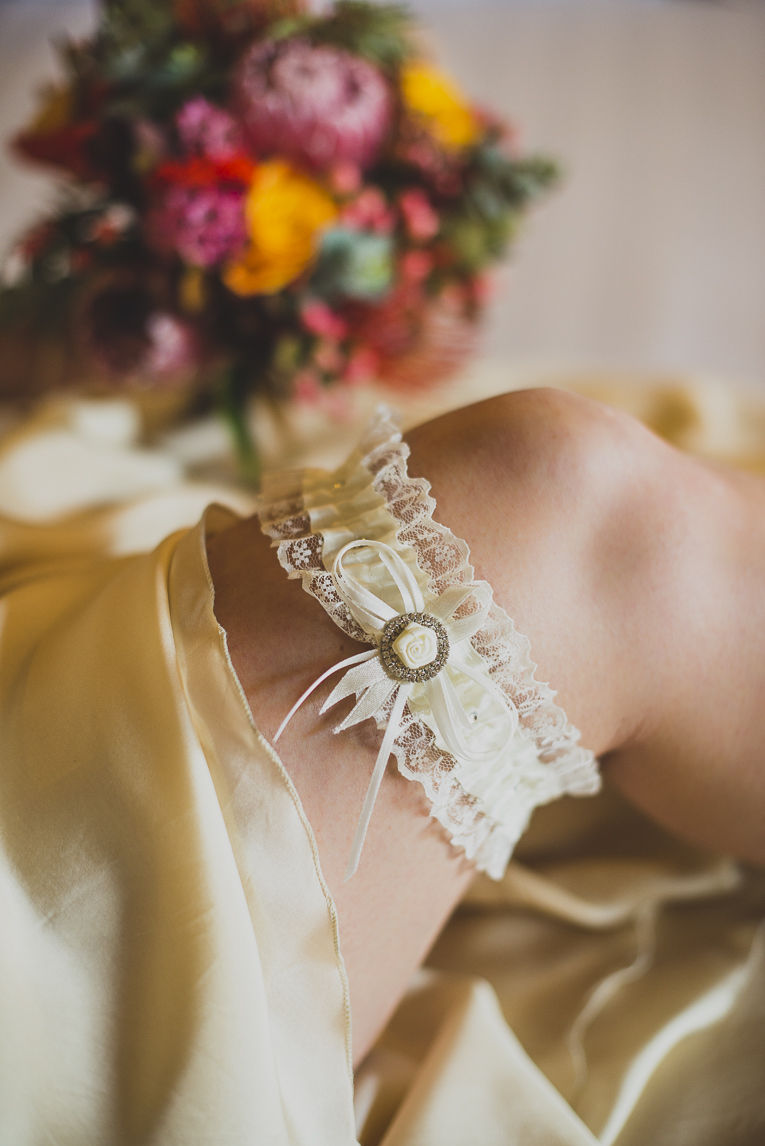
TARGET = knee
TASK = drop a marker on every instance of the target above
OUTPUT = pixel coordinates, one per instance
(537, 483)
(544, 455)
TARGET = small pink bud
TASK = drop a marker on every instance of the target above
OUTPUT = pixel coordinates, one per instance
(369, 211)
(362, 366)
(327, 357)
(307, 387)
(172, 345)
(484, 288)
(320, 319)
(345, 178)
(416, 265)
(452, 298)
(421, 220)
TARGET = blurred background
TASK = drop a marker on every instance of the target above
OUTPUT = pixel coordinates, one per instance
(651, 256)
(640, 281)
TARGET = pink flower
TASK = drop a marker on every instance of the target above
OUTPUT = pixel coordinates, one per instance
(208, 130)
(362, 366)
(306, 386)
(422, 222)
(453, 298)
(319, 319)
(416, 265)
(319, 105)
(128, 337)
(418, 339)
(369, 212)
(202, 224)
(172, 346)
(440, 169)
(328, 357)
(336, 404)
(484, 288)
(345, 178)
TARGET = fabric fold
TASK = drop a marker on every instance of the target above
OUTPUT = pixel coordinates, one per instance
(169, 952)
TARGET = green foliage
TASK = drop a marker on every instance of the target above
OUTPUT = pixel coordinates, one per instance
(129, 25)
(354, 264)
(483, 222)
(379, 32)
(138, 61)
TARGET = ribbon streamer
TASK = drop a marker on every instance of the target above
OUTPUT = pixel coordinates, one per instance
(367, 679)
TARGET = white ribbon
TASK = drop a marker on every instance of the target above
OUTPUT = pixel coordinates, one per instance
(367, 679)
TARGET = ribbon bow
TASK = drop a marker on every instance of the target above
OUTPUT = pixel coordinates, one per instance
(416, 648)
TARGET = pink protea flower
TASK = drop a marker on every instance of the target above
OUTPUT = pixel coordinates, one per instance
(202, 224)
(316, 105)
(208, 130)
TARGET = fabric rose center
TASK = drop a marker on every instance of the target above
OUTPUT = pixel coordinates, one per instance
(414, 647)
(417, 646)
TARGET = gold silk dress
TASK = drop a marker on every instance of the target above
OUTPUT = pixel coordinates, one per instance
(170, 965)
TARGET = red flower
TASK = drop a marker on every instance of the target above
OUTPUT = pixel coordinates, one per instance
(199, 171)
(65, 147)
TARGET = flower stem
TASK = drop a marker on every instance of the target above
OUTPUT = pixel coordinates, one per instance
(232, 404)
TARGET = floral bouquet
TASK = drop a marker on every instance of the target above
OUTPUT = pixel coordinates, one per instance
(262, 199)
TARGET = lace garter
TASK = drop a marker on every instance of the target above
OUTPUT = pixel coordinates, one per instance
(448, 676)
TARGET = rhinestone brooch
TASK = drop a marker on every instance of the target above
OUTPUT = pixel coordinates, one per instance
(394, 666)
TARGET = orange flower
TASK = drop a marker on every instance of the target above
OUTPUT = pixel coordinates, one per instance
(437, 101)
(285, 212)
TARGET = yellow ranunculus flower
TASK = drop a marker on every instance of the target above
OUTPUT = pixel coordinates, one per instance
(435, 98)
(284, 211)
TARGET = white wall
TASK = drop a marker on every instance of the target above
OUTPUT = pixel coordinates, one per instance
(653, 253)
(652, 256)
(27, 61)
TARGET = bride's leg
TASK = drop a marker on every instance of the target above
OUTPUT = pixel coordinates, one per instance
(409, 877)
(638, 573)
(635, 573)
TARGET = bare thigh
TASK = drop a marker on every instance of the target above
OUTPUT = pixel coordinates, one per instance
(608, 549)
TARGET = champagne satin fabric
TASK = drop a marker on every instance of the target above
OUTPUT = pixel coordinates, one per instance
(169, 962)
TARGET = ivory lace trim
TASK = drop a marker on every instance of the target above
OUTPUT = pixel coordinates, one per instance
(310, 515)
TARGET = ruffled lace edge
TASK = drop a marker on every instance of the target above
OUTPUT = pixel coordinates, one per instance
(375, 482)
